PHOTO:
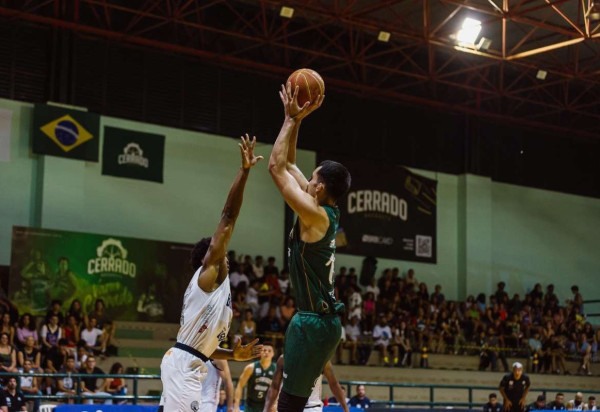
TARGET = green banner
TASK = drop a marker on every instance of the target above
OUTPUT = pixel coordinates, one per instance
(137, 279)
(65, 133)
(133, 155)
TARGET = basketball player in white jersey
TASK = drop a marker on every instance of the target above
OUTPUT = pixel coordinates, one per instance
(206, 313)
(218, 372)
(314, 402)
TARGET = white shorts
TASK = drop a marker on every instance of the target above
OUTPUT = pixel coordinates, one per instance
(182, 375)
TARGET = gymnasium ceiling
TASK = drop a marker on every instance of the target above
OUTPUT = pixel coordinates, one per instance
(421, 64)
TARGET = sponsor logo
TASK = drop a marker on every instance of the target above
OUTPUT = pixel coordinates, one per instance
(195, 405)
(378, 240)
(112, 258)
(363, 201)
(133, 155)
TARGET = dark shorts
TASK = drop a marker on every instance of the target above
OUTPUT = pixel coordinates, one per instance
(310, 342)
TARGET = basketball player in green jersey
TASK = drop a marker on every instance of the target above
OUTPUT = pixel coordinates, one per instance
(314, 332)
(258, 375)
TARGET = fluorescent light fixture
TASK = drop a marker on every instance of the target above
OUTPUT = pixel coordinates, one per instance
(541, 74)
(286, 12)
(469, 31)
(384, 36)
(594, 11)
(483, 44)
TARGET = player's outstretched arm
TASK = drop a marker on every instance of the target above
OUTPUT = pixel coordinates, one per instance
(239, 352)
(335, 386)
(239, 388)
(273, 392)
(294, 194)
(211, 266)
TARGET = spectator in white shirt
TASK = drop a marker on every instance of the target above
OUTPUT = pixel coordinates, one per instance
(351, 336)
(91, 335)
(355, 303)
(236, 276)
(252, 296)
(373, 288)
(382, 334)
(284, 281)
(257, 267)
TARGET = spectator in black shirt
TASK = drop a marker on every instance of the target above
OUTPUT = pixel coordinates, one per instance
(514, 388)
(492, 405)
(89, 385)
(10, 399)
(538, 405)
(56, 356)
(558, 404)
(360, 400)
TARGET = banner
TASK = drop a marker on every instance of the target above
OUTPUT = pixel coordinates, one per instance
(5, 127)
(134, 155)
(138, 279)
(65, 133)
(389, 212)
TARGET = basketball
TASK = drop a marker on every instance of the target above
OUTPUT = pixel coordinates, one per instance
(310, 85)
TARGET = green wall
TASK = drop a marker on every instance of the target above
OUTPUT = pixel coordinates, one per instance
(487, 231)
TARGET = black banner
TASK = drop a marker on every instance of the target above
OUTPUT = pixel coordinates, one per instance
(133, 155)
(389, 212)
(65, 133)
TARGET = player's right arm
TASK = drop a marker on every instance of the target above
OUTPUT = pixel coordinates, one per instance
(273, 392)
(239, 389)
(211, 266)
(335, 386)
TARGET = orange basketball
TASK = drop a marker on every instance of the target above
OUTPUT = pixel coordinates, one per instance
(310, 85)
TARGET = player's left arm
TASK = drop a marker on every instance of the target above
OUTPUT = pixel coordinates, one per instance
(239, 352)
(239, 389)
(273, 392)
(225, 374)
(335, 386)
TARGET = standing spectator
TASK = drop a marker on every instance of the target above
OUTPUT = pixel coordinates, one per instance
(382, 334)
(29, 384)
(99, 313)
(591, 405)
(270, 268)
(558, 404)
(373, 288)
(492, 405)
(89, 385)
(360, 400)
(51, 333)
(236, 277)
(501, 295)
(8, 355)
(577, 403)
(25, 329)
(538, 405)
(514, 387)
(11, 400)
(91, 335)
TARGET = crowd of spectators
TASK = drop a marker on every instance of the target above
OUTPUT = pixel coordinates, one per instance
(396, 315)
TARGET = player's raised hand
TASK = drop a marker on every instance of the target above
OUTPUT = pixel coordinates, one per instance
(247, 150)
(290, 103)
(246, 352)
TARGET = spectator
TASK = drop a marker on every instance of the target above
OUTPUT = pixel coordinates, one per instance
(25, 329)
(7, 327)
(66, 385)
(252, 296)
(8, 355)
(382, 334)
(258, 267)
(30, 353)
(332, 401)
(492, 405)
(287, 310)
(373, 288)
(271, 325)
(271, 268)
(538, 405)
(501, 295)
(355, 303)
(56, 357)
(514, 387)
(51, 333)
(108, 344)
(248, 327)
(402, 338)
(29, 384)
(55, 310)
(89, 385)
(116, 386)
(577, 403)
(222, 405)
(558, 404)
(77, 312)
(584, 350)
(236, 277)
(99, 313)
(360, 400)
(72, 331)
(437, 297)
(81, 354)
(91, 335)
(591, 405)
(11, 400)
(350, 339)
(284, 281)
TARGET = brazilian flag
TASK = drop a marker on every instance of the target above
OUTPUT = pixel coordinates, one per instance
(65, 133)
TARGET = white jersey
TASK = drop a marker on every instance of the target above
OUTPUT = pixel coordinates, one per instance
(205, 317)
(314, 402)
(211, 387)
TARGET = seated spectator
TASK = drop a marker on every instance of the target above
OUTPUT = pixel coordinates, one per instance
(29, 384)
(270, 267)
(91, 335)
(236, 277)
(536, 352)
(558, 404)
(55, 310)
(89, 385)
(403, 341)
(99, 313)
(382, 335)
(584, 349)
(538, 405)
(76, 310)
(258, 267)
(252, 296)
(591, 404)
(65, 386)
(287, 310)
(56, 357)
(350, 339)
(30, 353)
(271, 325)
(284, 281)
(25, 329)
(71, 331)
(577, 403)
(108, 345)
(222, 404)
(8, 354)
(11, 400)
(355, 303)
(332, 400)
(248, 327)
(492, 405)
(116, 386)
(360, 400)
(7, 327)
(81, 354)
(51, 333)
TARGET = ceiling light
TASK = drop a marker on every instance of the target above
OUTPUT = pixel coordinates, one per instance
(469, 31)
(286, 12)
(593, 12)
(384, 36)
(541, 74)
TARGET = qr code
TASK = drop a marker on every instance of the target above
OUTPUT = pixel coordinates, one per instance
(424, 246)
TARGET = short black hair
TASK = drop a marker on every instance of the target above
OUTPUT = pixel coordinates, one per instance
(198, 253)
(335, 177)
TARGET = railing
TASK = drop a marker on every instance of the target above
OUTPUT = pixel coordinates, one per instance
(590, 314)
(393, 399)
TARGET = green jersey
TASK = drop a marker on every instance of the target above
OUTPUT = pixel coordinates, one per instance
(258, 384)
(312, 268)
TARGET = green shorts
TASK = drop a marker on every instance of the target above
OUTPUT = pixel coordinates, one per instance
(310, 341)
